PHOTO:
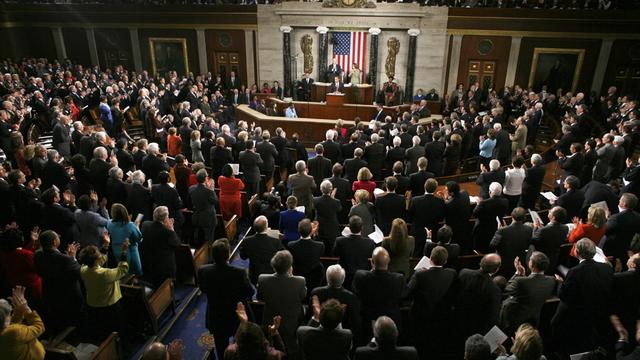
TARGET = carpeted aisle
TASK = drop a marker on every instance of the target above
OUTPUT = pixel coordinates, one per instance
(191, 329)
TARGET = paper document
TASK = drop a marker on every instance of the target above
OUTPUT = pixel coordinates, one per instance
(599, 256)
(570, 226)
(498, 221)
(393, 132)
(235, 168)
(535, 218)
(300, 208)
(474, 199)
(625, 181)
(139, 218)
(149, 183)
(577, 356)
(377, 192)
(602, 205)
(160, 130)
(495, 337)
(424, 263)
(346, 231)
(549, 195)
(376, 235)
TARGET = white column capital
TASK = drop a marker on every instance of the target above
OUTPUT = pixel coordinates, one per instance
(374, 31)
(322, 29)
(413, 32)
(286, 28)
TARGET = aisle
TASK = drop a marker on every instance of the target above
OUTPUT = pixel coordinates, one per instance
(191, 329)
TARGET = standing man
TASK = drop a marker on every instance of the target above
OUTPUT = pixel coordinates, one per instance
(203, 199)
(334, 70)
(250, 163)
(158, 248)
(269, 154)
(62, 136)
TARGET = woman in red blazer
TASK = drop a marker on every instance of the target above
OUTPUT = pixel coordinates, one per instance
(593, 230)
(17, 266)
(230, 198)
(364, 182)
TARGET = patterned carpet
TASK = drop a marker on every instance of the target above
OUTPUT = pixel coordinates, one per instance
(191, 329)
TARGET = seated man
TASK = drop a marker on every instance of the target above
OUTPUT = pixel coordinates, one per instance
(291, 111)
(323, 338)
(384, 345)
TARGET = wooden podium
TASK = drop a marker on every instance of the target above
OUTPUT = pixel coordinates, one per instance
(335, 99)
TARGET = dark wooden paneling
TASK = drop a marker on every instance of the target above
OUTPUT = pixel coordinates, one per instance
(22, 42)
(189, 35)
(75, 41)
(498, 53)
(114, 40)
(591, 46)
(624, 54)
(227, 41)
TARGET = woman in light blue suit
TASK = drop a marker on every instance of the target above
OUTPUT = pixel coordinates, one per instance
(121, 229)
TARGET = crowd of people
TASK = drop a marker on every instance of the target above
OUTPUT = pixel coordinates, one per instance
(99, 206)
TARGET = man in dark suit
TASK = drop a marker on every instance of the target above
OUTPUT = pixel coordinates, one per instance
(203, 200)
(352, 166)
(327, 210)
(61, 284)
(532, 183)
(269, 154)
(621, 228)
(389, 205)
(334, 70)
(434, 152)
(158, 248)
(337, 86)
(418, 179)
(219, 156)
(353, 250)
(488, 176)
(380, 114)
(250, 163)
(259, 249)
(374, 155)
(412, 155)
(425, 211)
(396, 153)
(319, 166)
(385, 334)
(485, 213)
(99, 170)
(404, 184)
(234, 81)
(626, 290)
(164, 194)
(331, 147)
(54, 173)
(154, 163)
(367, 285)
(59, 218)
(582, 318)
(573, 199)
(512, 241)
(304, 87)
(306, 255)
(547, 239)
(502, 151)
(335, 290)
(343, 193)
(595, 192)
(322, 338)
(525, 295)
(458, 213)
(221, 318)
(139, 199)
(433, 292)
(62, 137)
(478, 300)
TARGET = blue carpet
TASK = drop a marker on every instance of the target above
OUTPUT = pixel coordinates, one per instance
(191, 329)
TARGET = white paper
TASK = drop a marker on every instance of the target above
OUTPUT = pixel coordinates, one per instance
(570, 226)
(602, 205)
(139, 218)
(549, 195)
(498, 221)
(129, 173)
(300, 208)
(377, 192)
(577, 356)
(535, 218)
(393, 132)
(84, 351)
(160, 130)
(346, 231)
(424, 263)
(149, 183)
(495, 337)
(599, 256)
(474, 199)
(235, 168)
(625, 182)
(377, 235)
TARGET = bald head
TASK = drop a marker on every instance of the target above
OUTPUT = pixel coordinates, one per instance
(490, 263)
(260, 224)
(380, 259)
(155, 351)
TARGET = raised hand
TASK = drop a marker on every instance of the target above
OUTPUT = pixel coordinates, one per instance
(241, 312)
(72, 249)
(315, 304)
(518, 265)
(273, 328)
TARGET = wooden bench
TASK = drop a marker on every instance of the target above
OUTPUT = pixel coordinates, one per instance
(147, 309)
(110, 349)
(227, 229)
(188, 261)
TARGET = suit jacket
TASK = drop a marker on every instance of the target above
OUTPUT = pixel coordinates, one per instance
(302, 187)
(571, 201)
(626, 290)
(602, 168)
(478, 302)
(306, 256)
(458, 213)
(572, 165)
(327, 211)
(250, 163)
(374, 155)
(548, 239)
(397, 353)
(318, 343)
(394, 154)
(354, 252)
(525, 296)
(509, 242)
(158, 252)
(412, 155)
(375, 303)
(388, 207)
(99, 173)
(320, 168)
(283, 295)
(351, 319)
(433, 293)
(621, 228)
(259, 249)
(351, 168)
(268, 153)
(596, 191)
(62, 139)
(221, 317)
(532, 184)
(434, 152)
(485, 226)
(417, 181)
(152, 166)
(204, 202)
(486, 178)
(366, 212)
(165, 195)
(502, 151)
(425, 211)
(55, 174)
(332, 151)
(139, 201)
(219, 157)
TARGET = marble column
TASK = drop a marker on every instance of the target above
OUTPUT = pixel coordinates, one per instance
(286, 58)
(202, 51)
(373, 59)
(93, 48)
(323, 52)
(251, 57)
(411, 64)
(512, 65)
(454, 62)
(58, 40)
(601, 65)
(135, 49)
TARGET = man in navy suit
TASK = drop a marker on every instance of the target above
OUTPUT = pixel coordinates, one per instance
(621, 228)
(425, 211)
(306, 255)
(385, 333)
(334, 70)
(337, 86)
(390, 205)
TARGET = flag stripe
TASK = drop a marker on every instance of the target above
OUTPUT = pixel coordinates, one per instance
(349, 48)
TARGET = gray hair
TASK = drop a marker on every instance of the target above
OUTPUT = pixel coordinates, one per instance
(153, 148)
(260, 224)
(100, 153)
(282, 261)
(138, 177)
(115, 173)
(397, 141)
(300, 166)
(495, 189)
(586, 248)
(375, 138)
(161, 213)
(335, 276)
(497, 126)
(536, 159)
(494, 165)
(52, 154)
(358, 152)
(330, 134)
(476, 347)
(101, 136)
(325, 187)
(5, 312)
(416, 140)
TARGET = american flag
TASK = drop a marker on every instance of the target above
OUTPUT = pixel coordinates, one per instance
(348, 48)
